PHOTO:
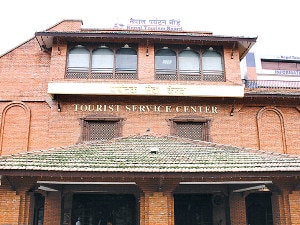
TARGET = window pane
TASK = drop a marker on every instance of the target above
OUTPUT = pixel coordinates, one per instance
(102, 60)
(78, 58)
(165, 59)
(212, 60)
(126, 59)
(189, 62)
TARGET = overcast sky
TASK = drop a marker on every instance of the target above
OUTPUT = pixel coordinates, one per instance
(275, 23)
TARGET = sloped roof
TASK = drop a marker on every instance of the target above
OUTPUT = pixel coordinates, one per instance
(151, 153)
(272, 91)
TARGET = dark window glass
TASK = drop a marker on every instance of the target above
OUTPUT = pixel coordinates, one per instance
(193, 209)
(259, 209)
(104, 209)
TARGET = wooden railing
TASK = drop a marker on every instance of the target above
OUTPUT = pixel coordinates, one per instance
(101, 74)
(206, 75)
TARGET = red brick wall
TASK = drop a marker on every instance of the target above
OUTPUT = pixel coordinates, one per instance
(52, 211)
(294, 200)
(237, 209)
(67, 25)
(9, 205)
(26, 71)
(158, 209)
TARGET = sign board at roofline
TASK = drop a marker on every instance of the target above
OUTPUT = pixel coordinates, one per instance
(151, 24)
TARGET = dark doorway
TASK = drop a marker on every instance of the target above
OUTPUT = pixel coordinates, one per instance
(259, 209)
(39, 202)
(98, 209)
(193, 209)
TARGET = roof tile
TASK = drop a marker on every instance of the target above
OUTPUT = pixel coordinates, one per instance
(135, 154)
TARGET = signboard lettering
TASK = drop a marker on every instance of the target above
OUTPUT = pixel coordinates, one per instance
(145, 108)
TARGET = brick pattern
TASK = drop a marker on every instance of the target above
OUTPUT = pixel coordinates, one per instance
(9, 205)
(237, 209)
(52, 211)
(67, 25)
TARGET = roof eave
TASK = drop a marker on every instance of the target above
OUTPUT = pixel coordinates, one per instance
(204, 175)
(244, 44)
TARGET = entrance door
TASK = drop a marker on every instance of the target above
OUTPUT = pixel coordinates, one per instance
(100, 209)
(259, 209)
(193, 209)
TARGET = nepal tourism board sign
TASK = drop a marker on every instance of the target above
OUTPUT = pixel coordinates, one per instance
(152, 24)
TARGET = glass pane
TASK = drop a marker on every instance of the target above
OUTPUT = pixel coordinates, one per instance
(78, 58)
(212, 60)
(165, 59)
(189, 62)
(126, 59)
(103, 60)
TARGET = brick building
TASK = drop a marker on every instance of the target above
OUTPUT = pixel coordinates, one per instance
(149, 127)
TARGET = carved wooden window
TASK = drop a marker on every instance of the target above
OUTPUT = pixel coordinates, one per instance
(189, 63)
(212, 66)
(192, 128)
(92, 61)
(165, 64)
(78, 62)
(101, 129)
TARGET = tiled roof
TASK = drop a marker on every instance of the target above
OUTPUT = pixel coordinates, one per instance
(151, 153)
(273, 91)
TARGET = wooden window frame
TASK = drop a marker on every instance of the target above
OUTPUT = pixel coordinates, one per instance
(85, 126)
(206, 128)
(90, 75)
(177, 76)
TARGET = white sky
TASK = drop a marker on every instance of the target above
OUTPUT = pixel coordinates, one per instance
(275, 23)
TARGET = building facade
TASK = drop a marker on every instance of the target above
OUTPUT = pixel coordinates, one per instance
(147, 127)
